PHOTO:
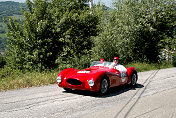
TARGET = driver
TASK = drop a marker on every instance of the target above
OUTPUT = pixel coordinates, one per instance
(101, 62)
(119, 67)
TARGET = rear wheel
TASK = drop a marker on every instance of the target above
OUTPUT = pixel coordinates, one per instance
(104, 85)
(134, 78)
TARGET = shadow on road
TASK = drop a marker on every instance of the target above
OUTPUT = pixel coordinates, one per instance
(112, 91)
(122, 89)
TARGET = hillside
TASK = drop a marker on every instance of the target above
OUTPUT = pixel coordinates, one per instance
(8, 8)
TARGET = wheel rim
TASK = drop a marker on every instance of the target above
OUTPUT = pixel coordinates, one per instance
(104, 86)
(134, 79)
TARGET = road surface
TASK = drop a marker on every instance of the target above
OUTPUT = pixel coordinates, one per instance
(153, 97)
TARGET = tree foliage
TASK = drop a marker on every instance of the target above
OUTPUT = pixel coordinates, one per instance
(53, 31)
(58, 32)
(135, 30)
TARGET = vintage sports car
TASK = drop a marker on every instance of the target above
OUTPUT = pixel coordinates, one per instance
(99, 77)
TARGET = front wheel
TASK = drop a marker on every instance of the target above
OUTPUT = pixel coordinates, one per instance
(67, 89)
(134, 78)
(104, 85)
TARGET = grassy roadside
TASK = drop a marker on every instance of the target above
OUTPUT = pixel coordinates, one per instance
(141, 67)
(15, 79)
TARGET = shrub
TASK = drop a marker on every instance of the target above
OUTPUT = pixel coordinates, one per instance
(174, 60)
(2, 61)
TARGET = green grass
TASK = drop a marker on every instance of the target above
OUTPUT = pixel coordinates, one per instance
(141, 67)
(15, 79)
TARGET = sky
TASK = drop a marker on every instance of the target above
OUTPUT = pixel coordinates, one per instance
(106, 2)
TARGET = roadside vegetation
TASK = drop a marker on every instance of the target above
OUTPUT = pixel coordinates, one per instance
(16, 79)
(58, 34)
(141, 67)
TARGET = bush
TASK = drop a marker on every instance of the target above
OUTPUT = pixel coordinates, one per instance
(2, 61)
(15, 79)
(78, 62)
(141, 67)
(174, 60)
(9, 72)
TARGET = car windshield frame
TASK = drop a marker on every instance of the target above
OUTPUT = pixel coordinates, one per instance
(99, 63)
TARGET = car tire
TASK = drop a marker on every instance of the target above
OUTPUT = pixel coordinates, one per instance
(134, 78)
(67, 89)
(104, 86)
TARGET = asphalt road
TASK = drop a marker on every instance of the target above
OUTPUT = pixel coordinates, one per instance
(153, 97)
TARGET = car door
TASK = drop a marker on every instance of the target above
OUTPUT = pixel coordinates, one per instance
(115, 78)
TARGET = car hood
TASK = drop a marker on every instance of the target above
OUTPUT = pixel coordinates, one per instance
(85, 74)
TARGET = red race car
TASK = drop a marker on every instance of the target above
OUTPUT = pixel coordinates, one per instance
(99, 77)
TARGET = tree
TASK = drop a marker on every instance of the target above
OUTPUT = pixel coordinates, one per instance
(53, 31)
(134, 30)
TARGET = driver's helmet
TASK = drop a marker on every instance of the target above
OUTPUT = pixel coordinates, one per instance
(101, 60)
(116, 59)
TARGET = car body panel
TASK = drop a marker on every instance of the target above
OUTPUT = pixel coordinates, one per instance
(78, 79)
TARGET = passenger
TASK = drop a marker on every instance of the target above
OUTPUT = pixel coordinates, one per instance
(101, 60)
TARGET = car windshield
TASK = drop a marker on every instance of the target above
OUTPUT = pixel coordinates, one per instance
(98, 63)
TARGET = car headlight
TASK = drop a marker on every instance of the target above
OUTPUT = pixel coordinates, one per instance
(58, 79)
(91, 83)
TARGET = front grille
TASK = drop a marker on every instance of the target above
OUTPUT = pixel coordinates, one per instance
(74, 82)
